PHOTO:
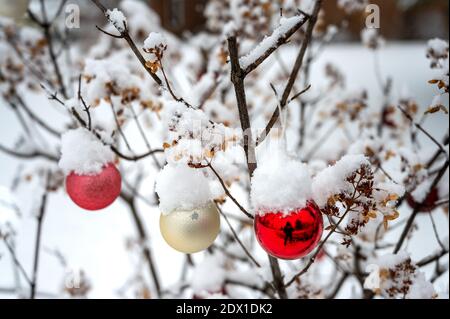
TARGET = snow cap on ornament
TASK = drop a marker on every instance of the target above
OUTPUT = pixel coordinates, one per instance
(92, 180)
(181, 187)
(189, 221)
(280, 184)
(288, 224)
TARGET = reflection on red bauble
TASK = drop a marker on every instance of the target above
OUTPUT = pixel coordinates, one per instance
(94, 192)
(428, 204)
(292, 235)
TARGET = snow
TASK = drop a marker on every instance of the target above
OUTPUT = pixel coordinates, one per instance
(391, 276)
(280, 184)
(141, 18)
(421, 288)
(443, 186)
(118, 19)
(192, 137)
(421, 191)
(155, 41)
(438, 47)
(83, 153)
(229, 29)
(269, 42)
(208, 276)
(94, 253)
(103, 72)
(371, 39)
(332, 180)
(180, 187)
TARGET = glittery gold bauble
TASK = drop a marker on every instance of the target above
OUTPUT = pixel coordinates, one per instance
(190, 231)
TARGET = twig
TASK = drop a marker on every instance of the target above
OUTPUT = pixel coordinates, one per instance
(227, 192)
(436, 234)
(295, 70)
(46, 25)
(338, 286)
(35, 118)
(116, 151)
(319, 247)
(16, 260)
(237, 78)
(321, 141)
(428, 260)
(438, 153)
(419, 127)
(143, 237)
(119, 127)
(281, 40)
(86, 107)
(117, 36)
(33, 154)
(144, 137)
(265, 290)
(126, 35)
(236, 237)
(40, 219)
(411, 219)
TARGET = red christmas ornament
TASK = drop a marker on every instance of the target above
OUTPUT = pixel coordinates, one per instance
(94, 192)
(290, 236)
(428, 204)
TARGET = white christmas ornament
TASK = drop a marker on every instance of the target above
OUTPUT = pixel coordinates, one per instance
(190, 221)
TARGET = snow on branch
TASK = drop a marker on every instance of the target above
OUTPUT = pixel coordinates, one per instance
(396, 276)
(287, 27)
(117, 19)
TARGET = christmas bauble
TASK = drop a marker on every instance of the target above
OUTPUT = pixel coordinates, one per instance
(94, 192)
(289, 235)
(428, 204)
(190, 231)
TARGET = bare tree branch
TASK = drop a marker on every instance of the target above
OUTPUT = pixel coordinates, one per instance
(143, 238)
(411, 218)
(227, 192)
(236, 237)
(37, 247)
(280, 41)
(295, 70)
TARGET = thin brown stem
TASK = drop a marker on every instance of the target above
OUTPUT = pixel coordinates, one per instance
(236, 237)
(237, 78)
(16, 261)
(126, 35)
(319, 247)
(227, 192)
(28, 155)
(281, 40)
(37, 119)
(294, 73)
(40, 219)
(432, 258)
(420, 128)
(143, 238)
(416, 209)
